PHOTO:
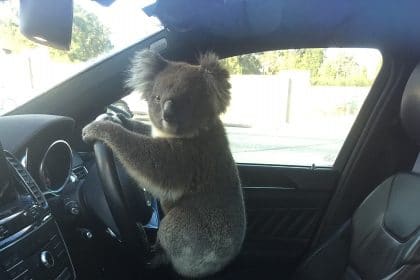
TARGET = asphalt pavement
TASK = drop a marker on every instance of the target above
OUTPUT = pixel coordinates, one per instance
(247, 146)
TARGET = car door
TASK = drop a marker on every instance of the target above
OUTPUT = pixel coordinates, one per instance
(290, 114)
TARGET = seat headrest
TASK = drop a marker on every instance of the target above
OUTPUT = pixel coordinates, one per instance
(410, 106)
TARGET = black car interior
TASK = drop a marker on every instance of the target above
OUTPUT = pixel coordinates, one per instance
(355, 220)
(31, 242)
(380, 241)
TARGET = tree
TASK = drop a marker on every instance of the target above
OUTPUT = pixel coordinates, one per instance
(233, 65)
(246, 64)
(342, 70)
(250, 64)
(271, 62)
(310, 59)
(12, 39)
(90, 38)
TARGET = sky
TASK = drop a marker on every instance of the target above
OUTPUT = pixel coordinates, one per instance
(125, 19)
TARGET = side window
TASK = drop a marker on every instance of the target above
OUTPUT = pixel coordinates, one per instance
(296, 107)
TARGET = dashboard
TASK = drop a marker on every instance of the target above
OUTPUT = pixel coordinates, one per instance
(31, 243)
(48, 190)
(41, 144)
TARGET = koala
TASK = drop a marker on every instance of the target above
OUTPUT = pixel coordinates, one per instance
(186, 163)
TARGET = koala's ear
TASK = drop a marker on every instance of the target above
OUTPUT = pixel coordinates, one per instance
(145, 67)
(217, 78)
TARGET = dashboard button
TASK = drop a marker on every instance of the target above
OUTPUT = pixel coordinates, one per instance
(10, 261)
(3, 231)
(18, 270)
(72, 208)
(47, 259)
(64, 275)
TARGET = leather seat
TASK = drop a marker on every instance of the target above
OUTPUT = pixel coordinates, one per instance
(382, 239)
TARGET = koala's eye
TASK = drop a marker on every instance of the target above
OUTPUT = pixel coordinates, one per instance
(157, 98)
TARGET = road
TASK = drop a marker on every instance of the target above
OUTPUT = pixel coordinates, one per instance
(263, 148)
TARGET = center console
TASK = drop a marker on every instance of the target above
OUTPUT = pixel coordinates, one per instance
(31, 244)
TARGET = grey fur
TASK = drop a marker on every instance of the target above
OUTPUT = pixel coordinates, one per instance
(189, 166)
(217, 79)
(145, 66)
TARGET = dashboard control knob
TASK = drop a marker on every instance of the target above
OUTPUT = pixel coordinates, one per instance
(47, 259)
(73, 208)
(86, 233)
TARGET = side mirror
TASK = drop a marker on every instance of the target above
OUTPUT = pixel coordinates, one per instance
(47, 22)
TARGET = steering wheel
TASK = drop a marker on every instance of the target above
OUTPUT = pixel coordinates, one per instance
(134, 236)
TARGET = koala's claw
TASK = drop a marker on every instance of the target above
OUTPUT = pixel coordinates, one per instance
(158, 256)
(158, 259)
(88, 133)
(95, 131)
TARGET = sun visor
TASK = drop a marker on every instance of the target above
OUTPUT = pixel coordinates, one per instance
(232, 18)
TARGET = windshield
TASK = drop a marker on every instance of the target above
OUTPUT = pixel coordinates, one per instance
(28, 69)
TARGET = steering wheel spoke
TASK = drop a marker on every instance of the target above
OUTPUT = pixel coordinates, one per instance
(134, 236)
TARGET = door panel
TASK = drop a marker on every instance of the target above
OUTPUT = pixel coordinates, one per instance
(284, 206)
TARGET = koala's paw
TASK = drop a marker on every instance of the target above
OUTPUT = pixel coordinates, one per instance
(158, 256)
(159, 259)
(97, 130)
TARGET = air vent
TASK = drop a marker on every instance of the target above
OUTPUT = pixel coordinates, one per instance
(80, 172)
(27, 179)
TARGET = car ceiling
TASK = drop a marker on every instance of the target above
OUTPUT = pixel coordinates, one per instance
(383, 24)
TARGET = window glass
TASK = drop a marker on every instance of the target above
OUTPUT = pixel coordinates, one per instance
(296, 107)
(28, 69)
(292, 107)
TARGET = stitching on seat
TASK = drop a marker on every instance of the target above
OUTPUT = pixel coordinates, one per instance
(331, 239)
(353, 271)
(397, 272)
(383, 224)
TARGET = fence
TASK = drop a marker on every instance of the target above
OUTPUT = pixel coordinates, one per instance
(287, 101)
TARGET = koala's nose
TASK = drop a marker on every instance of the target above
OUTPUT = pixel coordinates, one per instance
(168, 111)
